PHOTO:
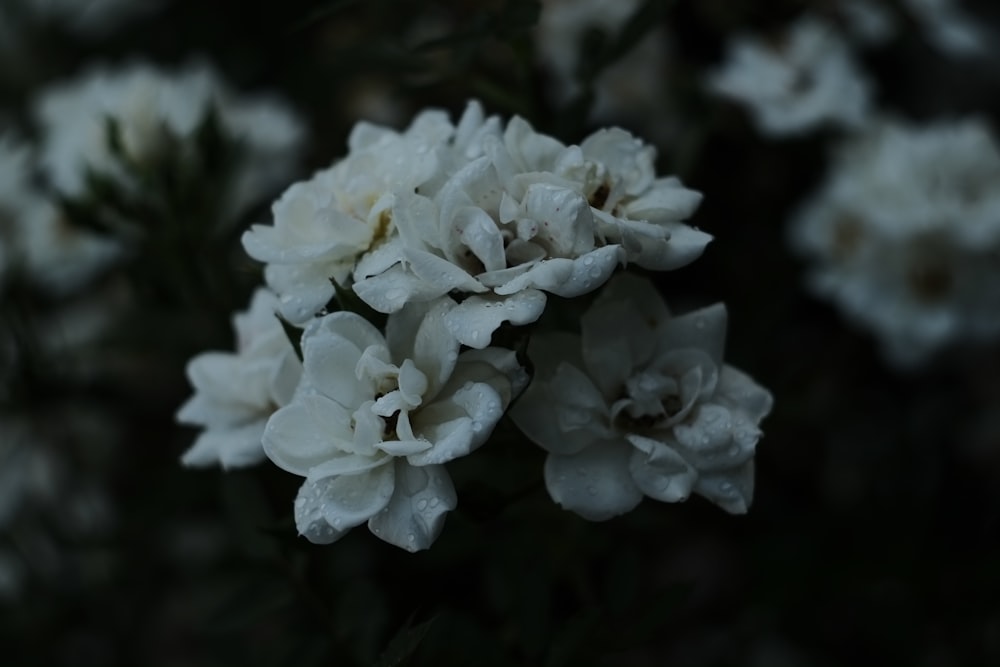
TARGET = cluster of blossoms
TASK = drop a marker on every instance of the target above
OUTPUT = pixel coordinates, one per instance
(59, 290)
(452, 231)
(808, 76)
(153, 111)
(36, 243)
(807, 79)
(905, 235)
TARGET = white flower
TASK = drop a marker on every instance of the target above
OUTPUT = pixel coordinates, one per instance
(321, 226)
(530, 216)
(951, 30)
(809, 80)
(148, 104)
(641, 404)
(905, 234)
(236, 393)
(871, 22)
(376, 417)
(631, 88)
(495, 218)
(35, 239)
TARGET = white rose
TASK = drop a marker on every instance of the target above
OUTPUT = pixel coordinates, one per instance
(641, 404)
(235, 393)
(376, 417)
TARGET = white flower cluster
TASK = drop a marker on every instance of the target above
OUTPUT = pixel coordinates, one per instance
(452, 230)
(151, 107)
(905, 235)
(641, 404)
(236, 393)
(35, 240)
(944, 23)
(486, 218)
(806, 80)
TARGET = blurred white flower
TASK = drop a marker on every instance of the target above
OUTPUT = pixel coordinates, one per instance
(950, 30)
(943, 23)
(905, 235)
(236, 393)
(630, 89)
(868, 21)
(35, 238)
(641, 403)
(807, 80)
(375, 417)
(323, 225)
(149, 105)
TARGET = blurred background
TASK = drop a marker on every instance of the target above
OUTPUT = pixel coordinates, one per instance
(874, 530)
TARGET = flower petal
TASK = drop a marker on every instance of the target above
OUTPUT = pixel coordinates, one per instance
(703, 329)
(740, 390)
(595, 483)
(350, 500)
(660, 471)
(438, 272)
(418, 332)
(232, 448)
(416, 512)
(731, 490)
(310, 519)
(305, 289)
(666, 200)
(307, 432)
(568, 277)
(479, 409)
(474, 320)
(392, 289)
(480, 234)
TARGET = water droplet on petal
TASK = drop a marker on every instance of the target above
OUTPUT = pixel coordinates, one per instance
(435, 502)
(421, 505)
